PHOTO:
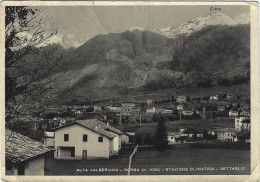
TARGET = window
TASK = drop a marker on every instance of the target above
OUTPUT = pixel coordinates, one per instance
(85, 138)
(100, 139)
(66, 137)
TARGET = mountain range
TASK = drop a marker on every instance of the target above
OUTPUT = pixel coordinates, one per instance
(205, 52)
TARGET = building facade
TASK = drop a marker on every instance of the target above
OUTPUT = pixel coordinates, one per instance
(87, 139)
(242, 123)
(24, 156)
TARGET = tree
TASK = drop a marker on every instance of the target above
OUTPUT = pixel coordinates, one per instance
(161, 142)
(28, 63)
(148, 139)
(138, 140)
(154, 119)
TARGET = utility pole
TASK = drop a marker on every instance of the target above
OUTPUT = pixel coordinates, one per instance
(211, 118)
(120, 120)
(140, 119)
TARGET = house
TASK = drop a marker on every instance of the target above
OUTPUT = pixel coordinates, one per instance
(171, 138)
(238, 122)
(226, 134)
(23, 155)
(130, 107)
(151, 110)
(149, 102)
(159, 110)
(191, 132)
(79, 111)
(187, 113)
(97, 108)
(242, 123)
(131, 136)
(214, 97)
(212, 131)
(87, 139)
(49, 139)
(232, 113)
(243, 136)
(115, 107)
(181, 99)
(179, 107)
(60, 121)
(125, 138)
(245, 113)
(246, 124)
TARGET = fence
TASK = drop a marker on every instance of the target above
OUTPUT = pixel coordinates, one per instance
(131, 158)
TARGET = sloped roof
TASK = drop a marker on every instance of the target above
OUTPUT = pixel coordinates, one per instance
(246, 121)
(49, 134)
(96, 126)
(226, 130)
(190, 131)
(244, 134)
(93, 122)
(116, 105)
(19, 148)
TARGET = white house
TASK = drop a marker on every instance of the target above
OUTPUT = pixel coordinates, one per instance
(115, 107)
(226, 134)
(191, 132)
(245, 113)
(238, 122)
(149, 102)
(130, 107)
(78, 111)
(232, 113)
(158, 110)
(24, 156)
(125, 138)
(242, 123)
(97, 108)
(179, 107)
(87, 139)
(151, 110)
(187, 113)
(214, 97)
(181, 99)
(171, 138)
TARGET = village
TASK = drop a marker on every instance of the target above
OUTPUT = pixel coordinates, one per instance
(105, 131)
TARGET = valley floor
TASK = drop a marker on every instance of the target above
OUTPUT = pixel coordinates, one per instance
(225, 159)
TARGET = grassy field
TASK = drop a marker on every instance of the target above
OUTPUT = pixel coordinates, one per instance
(184, 156)
(78, 167)
(191, 159)
(172, 126)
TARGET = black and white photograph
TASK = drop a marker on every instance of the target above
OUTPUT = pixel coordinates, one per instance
(127, 90)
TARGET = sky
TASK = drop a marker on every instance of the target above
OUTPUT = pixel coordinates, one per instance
(87, 21)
